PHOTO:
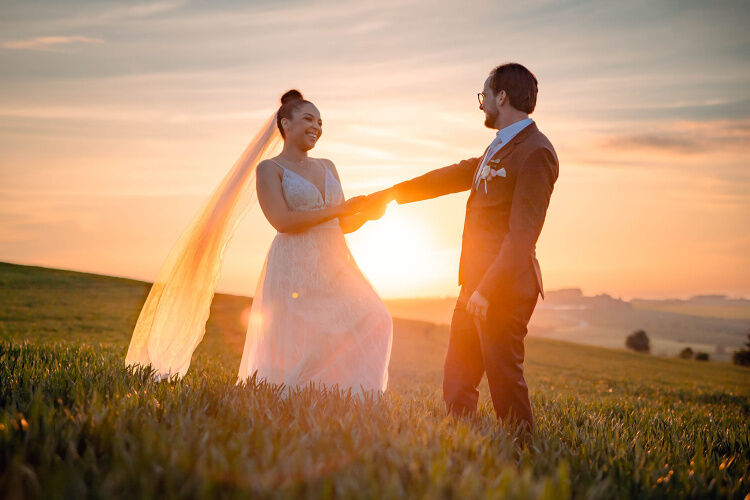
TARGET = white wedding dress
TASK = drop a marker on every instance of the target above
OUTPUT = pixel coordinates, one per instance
(315, 318)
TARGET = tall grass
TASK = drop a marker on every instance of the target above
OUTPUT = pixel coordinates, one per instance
(74, 422)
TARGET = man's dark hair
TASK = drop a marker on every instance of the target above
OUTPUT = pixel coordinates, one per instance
(518, 82)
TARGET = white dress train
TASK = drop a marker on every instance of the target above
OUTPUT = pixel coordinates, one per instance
(315, 317)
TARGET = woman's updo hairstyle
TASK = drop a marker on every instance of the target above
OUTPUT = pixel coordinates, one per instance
(290, 101)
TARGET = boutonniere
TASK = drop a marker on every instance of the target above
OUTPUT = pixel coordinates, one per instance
(488, 173)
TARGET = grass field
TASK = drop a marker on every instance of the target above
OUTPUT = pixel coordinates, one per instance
(74, 422)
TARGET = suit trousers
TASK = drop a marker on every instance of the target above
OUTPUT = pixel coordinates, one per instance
(494, 346)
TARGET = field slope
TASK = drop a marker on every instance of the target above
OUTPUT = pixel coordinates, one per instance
(74, 422)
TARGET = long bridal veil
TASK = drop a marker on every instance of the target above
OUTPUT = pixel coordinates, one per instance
(173, 319)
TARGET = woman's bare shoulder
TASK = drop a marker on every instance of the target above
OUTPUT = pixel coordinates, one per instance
(328, 163)
(267, 168)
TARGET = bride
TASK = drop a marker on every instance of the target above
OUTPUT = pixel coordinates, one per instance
(315, 318)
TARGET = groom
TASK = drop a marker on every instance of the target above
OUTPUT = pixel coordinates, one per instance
(499, 274)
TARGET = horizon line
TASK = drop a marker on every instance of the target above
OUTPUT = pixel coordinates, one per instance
(388, 298)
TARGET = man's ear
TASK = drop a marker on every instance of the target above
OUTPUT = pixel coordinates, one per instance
(500, 98)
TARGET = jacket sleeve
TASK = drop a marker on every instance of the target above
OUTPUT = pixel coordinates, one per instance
(451, 179)
(531, 198)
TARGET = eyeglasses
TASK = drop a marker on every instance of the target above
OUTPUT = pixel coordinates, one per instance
(480, 98)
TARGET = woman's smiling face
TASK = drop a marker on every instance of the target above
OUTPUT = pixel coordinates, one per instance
(304, 128)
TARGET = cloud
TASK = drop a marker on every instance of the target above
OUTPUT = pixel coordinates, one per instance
(685, 138)
(711, 110)
(126, 12)
(48, 42)
(145, 10)
(359, 151)
(127, 113)
(662, 142)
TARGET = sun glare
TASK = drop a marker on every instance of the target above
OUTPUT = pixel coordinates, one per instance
(396, 253)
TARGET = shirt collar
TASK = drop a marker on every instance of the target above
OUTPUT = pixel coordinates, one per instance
(514, 128)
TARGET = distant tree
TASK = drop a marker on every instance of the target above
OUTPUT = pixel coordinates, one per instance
(638, 341)
(701, 356)
(686, 353)
(742, 356)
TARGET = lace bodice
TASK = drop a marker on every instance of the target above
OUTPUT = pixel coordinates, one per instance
(301, 194)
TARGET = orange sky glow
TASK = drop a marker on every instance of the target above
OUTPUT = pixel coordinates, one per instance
(118, 119)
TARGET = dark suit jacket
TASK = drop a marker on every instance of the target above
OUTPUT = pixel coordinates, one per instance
(502, 225)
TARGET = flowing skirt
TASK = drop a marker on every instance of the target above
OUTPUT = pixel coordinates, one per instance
(315, 317)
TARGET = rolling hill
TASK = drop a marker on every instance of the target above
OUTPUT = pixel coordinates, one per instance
(714, 324)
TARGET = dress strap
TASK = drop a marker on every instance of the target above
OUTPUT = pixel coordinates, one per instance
(277, 163)
(317, 159)
(323, 164)
(328, 170)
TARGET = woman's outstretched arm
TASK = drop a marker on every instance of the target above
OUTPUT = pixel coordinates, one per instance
(367, 209)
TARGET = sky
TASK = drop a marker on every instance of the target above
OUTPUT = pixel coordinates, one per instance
(117, 120)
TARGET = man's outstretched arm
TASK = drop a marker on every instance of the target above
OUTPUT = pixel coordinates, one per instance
(451, 179)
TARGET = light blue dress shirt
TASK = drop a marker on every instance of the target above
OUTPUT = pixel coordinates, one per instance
(503, 137)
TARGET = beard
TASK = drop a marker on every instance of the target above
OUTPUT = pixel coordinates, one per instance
(489, 119)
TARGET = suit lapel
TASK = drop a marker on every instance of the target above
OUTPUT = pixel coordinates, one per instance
(518, 139)
(476, 170)
(504, 152)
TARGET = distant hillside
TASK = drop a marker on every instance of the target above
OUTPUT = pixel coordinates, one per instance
(605, 321)
(66, 305)
(716, 306)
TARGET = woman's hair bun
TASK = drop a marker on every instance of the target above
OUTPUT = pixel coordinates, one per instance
(291, 95)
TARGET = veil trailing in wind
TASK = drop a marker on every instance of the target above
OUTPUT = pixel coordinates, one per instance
(173, 319)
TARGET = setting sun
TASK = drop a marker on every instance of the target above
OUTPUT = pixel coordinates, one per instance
(397, 253)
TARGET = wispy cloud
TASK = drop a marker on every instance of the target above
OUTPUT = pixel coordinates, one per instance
(661, 142)
(128, 12)
(129, 113)
(48, 42)
(685, 138)
(78, 16)
(362, 151)
(144, 9)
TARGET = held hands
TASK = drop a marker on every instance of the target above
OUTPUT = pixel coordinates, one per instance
(383, 197)
(377, 202)
(371, 207)
(352, 205)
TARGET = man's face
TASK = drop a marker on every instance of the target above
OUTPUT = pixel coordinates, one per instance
(489, 105)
